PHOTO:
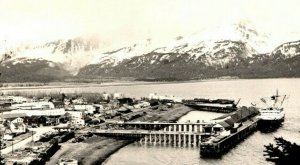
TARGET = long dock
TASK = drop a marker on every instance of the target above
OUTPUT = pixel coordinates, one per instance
(177, 134)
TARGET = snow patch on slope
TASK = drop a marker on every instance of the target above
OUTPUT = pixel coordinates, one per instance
(114, 57)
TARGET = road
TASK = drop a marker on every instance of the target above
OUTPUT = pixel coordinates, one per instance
(39, 131)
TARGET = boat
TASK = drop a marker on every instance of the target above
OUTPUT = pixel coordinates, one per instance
(271, 113)
(218, 105)
(67, 161)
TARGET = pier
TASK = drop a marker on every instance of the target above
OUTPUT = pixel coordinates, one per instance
(214, 138)
(177, 134)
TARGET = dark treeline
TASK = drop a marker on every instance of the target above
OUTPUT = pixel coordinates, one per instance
(283, 152)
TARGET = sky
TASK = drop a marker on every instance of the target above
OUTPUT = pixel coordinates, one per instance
(122, 22)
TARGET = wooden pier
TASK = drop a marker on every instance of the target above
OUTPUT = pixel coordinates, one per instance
(216, 146)
(176, 134)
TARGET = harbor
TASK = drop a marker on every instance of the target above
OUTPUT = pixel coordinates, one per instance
(166, 127)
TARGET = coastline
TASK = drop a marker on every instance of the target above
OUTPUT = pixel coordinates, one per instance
(63, 85)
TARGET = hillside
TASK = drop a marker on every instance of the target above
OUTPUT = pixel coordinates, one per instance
(31, 70)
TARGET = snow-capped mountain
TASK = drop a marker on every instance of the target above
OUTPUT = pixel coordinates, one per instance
(213, 47)
(114, 57)
(242, 32)
(219, 45)
(72, 54)
(287, 50)
(237, 50)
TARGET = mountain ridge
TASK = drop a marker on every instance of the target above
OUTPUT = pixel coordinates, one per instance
(236, 51)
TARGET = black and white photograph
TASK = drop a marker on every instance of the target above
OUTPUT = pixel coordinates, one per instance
(149, 82)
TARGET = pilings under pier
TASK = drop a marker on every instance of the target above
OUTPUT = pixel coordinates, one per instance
(180, 140)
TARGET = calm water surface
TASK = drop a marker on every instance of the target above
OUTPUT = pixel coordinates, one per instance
(249, 151)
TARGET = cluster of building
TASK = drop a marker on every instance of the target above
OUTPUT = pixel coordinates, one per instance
(18, 113)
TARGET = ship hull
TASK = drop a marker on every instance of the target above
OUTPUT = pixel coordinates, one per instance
(269, 125)
(212, 108)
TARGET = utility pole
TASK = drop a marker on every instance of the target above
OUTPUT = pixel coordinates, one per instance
(12, 146)
(1, 148)
(32, 136)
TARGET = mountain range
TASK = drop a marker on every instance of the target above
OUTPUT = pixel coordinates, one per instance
(237, 50)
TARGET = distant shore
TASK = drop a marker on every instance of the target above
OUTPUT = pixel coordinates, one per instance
(67, 85)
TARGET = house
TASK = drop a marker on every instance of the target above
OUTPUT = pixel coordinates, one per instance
(88, 109)
(14, 122)
(79, 101)
(18, 127)
(77, 122)
(105, 96)
(76, 118)
(116, 95)
(75, 114)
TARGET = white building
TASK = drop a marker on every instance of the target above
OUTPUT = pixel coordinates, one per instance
(75, 114)
(41, 112)
(152, 96)
(76, 118)
(79, 101)
(116, 95)
(142, 104)
(14, 122)
(158, 97)
(37, 109)
(14, 99)
(34, 105)
(88, 109)
(17, 126)
(105, 96)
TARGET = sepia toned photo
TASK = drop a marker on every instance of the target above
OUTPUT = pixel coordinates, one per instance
(149, 82)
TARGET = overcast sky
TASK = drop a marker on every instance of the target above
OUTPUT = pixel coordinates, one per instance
(127, 21)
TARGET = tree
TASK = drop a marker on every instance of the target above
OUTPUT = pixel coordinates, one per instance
(284, 152)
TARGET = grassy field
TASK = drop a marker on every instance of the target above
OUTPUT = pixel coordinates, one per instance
(92, 151)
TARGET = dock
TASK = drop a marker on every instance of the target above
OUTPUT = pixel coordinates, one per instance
(216, 146)
(176, 134)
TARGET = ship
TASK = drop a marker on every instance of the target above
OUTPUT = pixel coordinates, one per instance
(271, 113)
(217, 105)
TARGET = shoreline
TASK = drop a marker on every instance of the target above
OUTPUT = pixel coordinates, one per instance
(63, 85)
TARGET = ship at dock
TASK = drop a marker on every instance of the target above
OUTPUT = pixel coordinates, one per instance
(217, 105)
(271, 112)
